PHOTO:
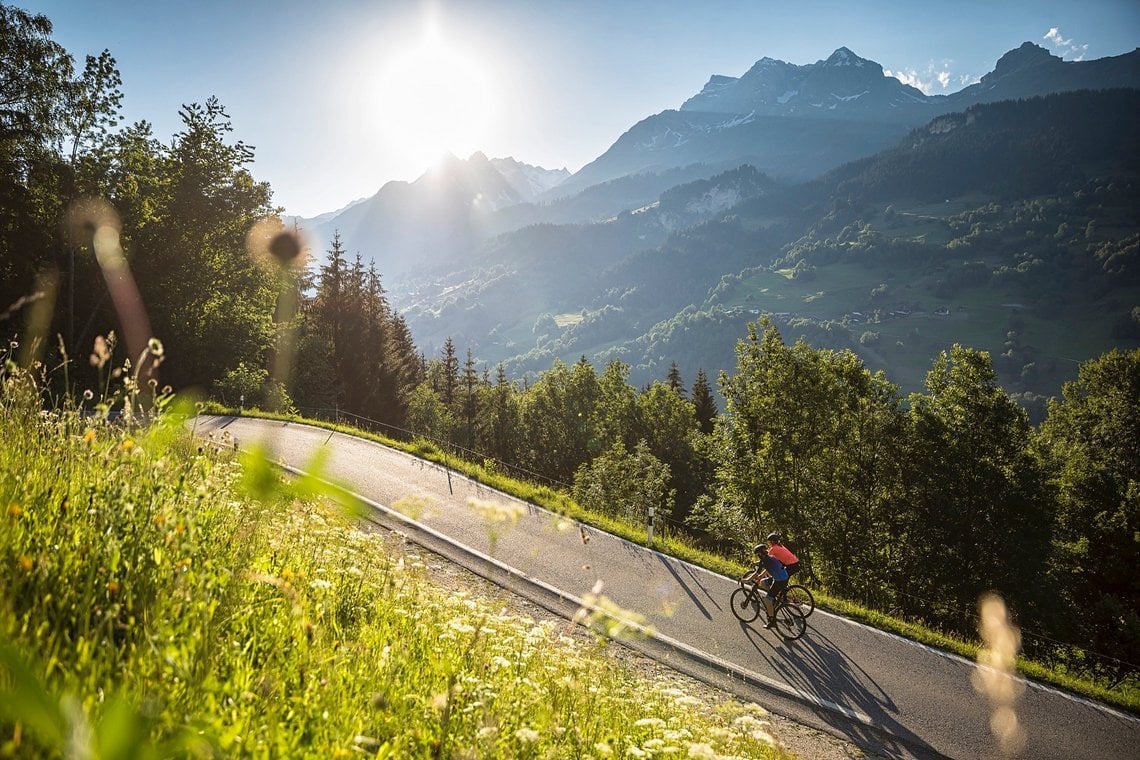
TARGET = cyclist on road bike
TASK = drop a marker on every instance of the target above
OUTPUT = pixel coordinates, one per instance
(768, 568)
(777, 549)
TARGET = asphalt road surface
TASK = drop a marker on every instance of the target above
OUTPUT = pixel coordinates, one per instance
(888, 695)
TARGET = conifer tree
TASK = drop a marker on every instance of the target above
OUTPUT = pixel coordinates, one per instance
(704, 403)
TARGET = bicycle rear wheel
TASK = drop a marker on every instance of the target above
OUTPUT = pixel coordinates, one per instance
(801, 596)
(791, 622)
(746, 604)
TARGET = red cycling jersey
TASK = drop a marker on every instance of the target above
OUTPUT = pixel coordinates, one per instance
(783, 553)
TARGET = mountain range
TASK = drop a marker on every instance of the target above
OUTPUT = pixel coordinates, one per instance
(524, 265)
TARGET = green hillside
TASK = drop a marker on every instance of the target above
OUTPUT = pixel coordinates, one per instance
(1010, 228)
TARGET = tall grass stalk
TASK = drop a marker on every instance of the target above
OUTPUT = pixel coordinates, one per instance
(149, 606)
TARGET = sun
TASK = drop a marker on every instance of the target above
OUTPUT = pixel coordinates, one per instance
(433, 98)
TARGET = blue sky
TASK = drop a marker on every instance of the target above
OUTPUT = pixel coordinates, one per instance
(324, 89)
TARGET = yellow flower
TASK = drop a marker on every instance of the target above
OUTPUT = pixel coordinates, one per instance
(160, 520)
(25, 563)
(113, 586)
(15, 510)
(89, 437)
(128, 445)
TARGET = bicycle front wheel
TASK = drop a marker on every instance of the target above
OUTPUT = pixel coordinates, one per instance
(746, 604)
(791, 622)
(800, 596)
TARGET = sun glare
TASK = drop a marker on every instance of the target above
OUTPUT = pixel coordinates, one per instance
(433, 98)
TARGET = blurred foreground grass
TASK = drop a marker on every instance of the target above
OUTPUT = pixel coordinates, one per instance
(157, 603)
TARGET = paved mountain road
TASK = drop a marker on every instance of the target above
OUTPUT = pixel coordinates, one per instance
(889, 695)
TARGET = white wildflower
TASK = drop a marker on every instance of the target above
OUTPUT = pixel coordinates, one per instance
(526, 735)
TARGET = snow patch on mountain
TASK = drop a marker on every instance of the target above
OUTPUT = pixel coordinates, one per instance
(527, 180)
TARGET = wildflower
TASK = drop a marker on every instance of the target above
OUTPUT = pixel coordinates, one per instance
(128, 444)
(113, 587)
(764, 737)
(102, 352)
(160, 520)
(650, 722)
(488, 732)
(15, 510)
(526, 735)
(154, 345)
(461, 627)
(702, 750)
(89, 437)
(25, 563)
(496, 512)
(88, 395)
(748, 722)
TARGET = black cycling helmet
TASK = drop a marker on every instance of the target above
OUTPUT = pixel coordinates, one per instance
(774, 537)
(760, 549)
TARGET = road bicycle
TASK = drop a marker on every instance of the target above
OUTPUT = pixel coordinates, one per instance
(801, 597)
(748, 601)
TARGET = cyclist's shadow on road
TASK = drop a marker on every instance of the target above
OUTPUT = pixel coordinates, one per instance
(814, 665)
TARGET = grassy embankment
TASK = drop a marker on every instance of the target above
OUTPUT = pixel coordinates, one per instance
(1126, 697)
(160, 597)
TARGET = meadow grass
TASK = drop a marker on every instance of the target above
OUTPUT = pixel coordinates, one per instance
(162, 598)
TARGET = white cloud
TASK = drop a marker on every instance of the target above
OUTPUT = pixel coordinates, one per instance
(935, 80)
(908, 78)
(1054, 36)
(1075, 51)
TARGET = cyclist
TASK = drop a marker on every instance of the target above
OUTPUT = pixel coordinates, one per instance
(777, 549)
(768, 568)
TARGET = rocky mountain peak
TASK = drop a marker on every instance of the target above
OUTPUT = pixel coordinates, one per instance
(844, 57)
(1028, 54)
